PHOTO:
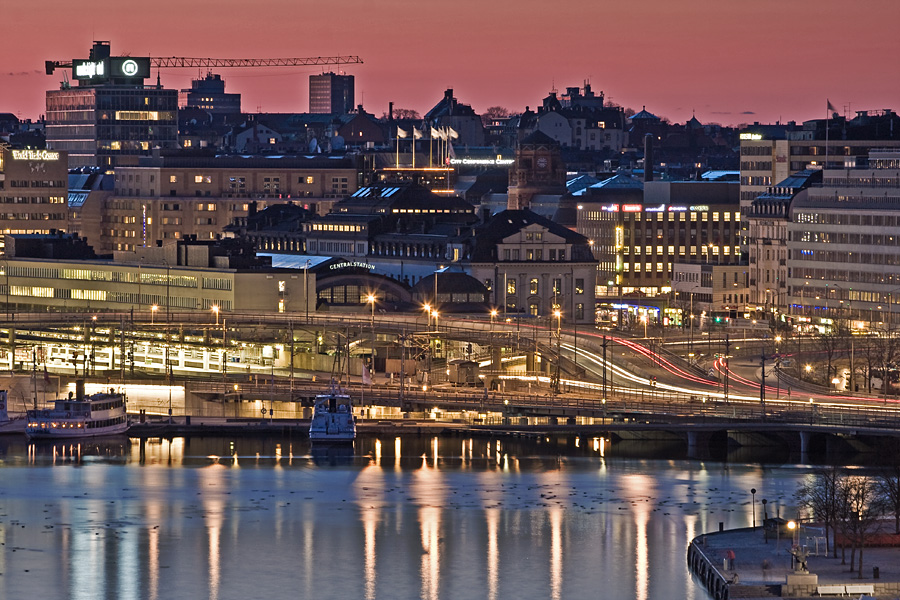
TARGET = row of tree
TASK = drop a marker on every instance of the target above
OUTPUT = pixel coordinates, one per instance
(853, 506)
(871, 356)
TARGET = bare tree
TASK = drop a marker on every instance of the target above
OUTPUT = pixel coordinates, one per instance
(493, 112)
(831, 343)
(889, 492)
(404, 114)
(821, 494)
(864, 510)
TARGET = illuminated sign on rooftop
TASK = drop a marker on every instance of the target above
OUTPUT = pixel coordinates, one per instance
(34, 155)
(486, 162)
(751, 136)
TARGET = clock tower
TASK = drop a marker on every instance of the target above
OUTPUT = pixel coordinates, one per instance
(538, 170)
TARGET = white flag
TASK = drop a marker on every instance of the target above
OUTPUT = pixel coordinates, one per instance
(416, 133)
(435, 134)
(366, 376)
(452, 132)
(401, 133)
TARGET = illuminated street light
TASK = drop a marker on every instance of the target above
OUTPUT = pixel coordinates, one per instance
(215, 309)
(153, 310)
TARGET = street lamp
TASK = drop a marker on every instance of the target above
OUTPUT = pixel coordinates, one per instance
(371, 300)
(153, 310)
(644, 319)
(753, 505)
(215, 309)
(558, 314)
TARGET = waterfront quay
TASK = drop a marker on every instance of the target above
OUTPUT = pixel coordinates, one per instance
(763, 565)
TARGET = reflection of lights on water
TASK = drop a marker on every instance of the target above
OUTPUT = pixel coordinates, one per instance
(556, 552)
(378, 452)
(397, 453)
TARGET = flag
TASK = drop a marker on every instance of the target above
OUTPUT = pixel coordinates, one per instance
(366, 376)
(452, 133)
(829, 106)
(416, 133)
(450, 152)
(401, 133)
(435, 134)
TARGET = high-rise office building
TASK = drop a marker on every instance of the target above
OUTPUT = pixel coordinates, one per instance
(330, 93)
(110, 118)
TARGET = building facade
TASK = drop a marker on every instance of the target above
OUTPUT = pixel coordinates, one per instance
(330, 94)
(33, 187)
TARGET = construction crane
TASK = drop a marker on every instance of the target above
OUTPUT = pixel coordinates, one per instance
(181, 61)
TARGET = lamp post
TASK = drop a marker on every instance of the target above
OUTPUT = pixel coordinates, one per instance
(168, 280)
(491, 338)
(371, 300)
(558, 314)
(753, 505)
(215, 309)
(644, 319)
(153, 310)
(306, 289)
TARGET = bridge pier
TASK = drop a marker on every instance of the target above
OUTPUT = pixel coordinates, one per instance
(804, 443)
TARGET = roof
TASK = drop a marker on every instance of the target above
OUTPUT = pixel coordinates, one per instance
(620, 181)
(508, 222)
(539, 138)
(644, 115)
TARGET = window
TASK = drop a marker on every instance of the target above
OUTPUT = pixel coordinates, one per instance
(557, 286)
(511, 287)
(579, 286)
(533, 286)
(173, 178)
(488, 284)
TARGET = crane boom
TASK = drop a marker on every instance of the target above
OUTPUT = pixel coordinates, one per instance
(181, 61)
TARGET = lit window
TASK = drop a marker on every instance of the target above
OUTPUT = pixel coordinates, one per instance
(173, 179)
(198, 178)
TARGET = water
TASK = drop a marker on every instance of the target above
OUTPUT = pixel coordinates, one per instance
(411, 517)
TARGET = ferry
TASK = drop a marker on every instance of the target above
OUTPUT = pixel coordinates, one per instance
(79, 416)
(333, 421)
(7, 424)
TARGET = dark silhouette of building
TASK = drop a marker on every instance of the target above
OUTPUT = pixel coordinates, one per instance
(330, 93)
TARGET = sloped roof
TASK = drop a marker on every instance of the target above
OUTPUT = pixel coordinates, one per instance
(508, 222)
(644, 115)
(620, 181)
(538, 137)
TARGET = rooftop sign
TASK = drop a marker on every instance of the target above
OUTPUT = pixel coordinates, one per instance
(491, 162)
(34, 155)
(750, 136)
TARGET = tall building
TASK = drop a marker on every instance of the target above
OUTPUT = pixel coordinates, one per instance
(844, 248)
(32, 191)
(209, 94)
(110, 118)
(331, 94)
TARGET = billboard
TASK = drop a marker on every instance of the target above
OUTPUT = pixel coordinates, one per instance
(117, 67)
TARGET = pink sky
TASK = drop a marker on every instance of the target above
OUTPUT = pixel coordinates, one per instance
(732, 61)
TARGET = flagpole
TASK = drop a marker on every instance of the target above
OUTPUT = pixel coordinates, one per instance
(827, 116)
(431, 147)
(398, 148)
(414, 147)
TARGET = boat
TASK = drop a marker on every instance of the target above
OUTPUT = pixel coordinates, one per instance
(333, 421)
(7, 424)
(79, 416)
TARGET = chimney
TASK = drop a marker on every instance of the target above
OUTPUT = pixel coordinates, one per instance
(648, 157)
(390, 111)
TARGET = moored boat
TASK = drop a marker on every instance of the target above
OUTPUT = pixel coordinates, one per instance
(333, 421)
(79, 416)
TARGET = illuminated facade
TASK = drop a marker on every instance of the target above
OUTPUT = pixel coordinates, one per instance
(638, 244)
(844, 247)
(177, 276)
(174, 198)
(33, 187)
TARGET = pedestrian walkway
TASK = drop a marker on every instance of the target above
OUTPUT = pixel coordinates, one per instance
(761, 566)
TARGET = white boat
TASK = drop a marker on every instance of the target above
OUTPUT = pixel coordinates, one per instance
(79, 416)
(333, 421)
(7, 424)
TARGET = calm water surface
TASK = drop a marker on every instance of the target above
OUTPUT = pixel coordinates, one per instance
(410, 517)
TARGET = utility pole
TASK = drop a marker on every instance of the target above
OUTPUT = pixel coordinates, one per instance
(762, 385)
(727, 356)
(604, 369)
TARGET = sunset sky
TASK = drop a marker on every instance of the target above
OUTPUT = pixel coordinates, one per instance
(731, 61)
